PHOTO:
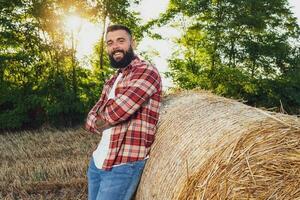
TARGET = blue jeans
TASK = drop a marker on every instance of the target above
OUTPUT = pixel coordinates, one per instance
(119, 183)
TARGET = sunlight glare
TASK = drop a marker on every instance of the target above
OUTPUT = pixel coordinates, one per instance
(85, 34)
(73, 23)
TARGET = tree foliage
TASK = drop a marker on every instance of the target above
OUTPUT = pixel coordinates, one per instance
(41, 82)
(246, 49)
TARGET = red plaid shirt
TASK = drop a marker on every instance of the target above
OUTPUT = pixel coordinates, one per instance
(133, 113)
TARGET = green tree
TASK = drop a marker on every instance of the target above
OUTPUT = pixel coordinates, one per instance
(20, 63)
(35, 72)
(243, 49)
(41, 82)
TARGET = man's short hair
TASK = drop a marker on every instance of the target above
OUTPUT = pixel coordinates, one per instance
(116, 27)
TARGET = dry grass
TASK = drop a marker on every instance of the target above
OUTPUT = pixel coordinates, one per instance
(45, 165)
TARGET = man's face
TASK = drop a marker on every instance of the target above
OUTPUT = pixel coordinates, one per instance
(119, 48)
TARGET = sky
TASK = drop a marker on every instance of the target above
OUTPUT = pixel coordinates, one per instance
(296, 8)
(89, 34)
(164, 47)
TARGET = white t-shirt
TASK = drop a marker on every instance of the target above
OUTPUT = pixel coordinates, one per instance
(101, 152)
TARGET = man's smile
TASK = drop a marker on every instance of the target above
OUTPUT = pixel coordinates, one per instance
(118, 54)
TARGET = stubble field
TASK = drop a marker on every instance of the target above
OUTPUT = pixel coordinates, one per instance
(45, 164)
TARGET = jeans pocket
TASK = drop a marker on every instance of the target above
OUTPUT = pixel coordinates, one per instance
(125, 169)
(139, 165)
(130, 168)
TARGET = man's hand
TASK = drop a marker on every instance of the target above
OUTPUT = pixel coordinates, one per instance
(97, 128)
(101, 126)
(95, 124)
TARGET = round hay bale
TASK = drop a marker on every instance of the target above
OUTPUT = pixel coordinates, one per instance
(210, 147)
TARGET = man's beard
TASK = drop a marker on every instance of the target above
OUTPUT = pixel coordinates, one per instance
(126, 60)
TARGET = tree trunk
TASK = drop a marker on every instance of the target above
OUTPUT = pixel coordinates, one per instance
(101, 67)
(74, 79)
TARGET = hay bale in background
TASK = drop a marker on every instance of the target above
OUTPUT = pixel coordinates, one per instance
(209, 147)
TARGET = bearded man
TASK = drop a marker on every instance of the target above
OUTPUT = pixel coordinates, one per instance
(126, 116)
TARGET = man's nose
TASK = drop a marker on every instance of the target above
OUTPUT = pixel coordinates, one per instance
(115, 46)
